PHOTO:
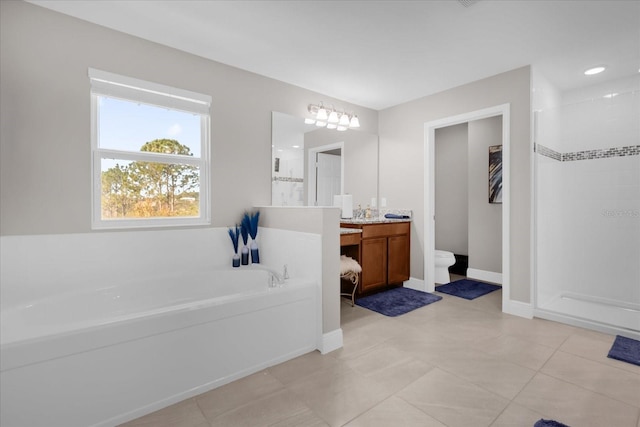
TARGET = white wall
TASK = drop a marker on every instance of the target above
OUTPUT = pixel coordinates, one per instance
(485, 219)
(44, 127)
(452, 195)
(402, 158)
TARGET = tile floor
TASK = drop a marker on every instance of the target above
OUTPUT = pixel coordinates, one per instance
(451, 363)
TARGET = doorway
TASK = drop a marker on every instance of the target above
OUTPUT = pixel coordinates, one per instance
(429, 167)
(325, 174)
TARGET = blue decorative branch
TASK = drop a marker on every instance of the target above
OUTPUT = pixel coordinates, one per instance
(235, 236)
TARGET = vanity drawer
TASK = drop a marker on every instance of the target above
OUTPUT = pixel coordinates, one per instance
(350, 239)
(384, 230)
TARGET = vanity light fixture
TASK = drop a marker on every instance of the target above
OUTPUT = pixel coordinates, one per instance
(331, 118)
(595, 70)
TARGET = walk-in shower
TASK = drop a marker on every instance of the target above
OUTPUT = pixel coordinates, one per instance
(587, 204)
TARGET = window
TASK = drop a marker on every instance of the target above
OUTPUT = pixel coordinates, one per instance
(150, 161)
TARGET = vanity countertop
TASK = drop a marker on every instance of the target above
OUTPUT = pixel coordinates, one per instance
(344, 230)
(382, 220)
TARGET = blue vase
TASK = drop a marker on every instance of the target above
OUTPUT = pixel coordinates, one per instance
(255, 254)
(236, 260)
(245, 255)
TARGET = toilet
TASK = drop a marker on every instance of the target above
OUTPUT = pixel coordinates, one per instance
(443, 260)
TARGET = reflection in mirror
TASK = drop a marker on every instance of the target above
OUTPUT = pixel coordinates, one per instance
(341, 163)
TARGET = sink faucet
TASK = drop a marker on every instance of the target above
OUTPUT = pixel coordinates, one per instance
(358, 214)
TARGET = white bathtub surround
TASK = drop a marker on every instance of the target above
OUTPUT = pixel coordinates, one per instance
(323, 221)
(85, 344)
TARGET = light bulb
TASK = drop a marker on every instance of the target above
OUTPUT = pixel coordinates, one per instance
(355, 123)
(333, 117)
(309, 121)
(341, 128)
(344, 120)
(331, 125)
(322, 113)
(321, 124)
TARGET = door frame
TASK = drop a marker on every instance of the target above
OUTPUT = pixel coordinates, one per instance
(503, 110)
(311, 171)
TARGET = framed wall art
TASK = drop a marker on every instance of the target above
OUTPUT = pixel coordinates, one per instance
(495, 174)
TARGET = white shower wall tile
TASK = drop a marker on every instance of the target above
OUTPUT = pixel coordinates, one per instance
(588, 238)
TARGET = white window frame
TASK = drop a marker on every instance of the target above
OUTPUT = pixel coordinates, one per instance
(112, 85)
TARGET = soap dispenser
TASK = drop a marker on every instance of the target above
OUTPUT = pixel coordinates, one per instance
(368, 212)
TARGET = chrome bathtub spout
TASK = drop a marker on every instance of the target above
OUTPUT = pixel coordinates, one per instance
(275, 279)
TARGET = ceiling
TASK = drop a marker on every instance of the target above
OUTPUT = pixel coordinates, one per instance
(378, 54)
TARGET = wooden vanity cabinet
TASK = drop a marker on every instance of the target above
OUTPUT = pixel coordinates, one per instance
(398, 258)
(374, 263)
(384, 256)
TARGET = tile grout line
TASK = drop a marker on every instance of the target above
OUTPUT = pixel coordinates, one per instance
(598, 392)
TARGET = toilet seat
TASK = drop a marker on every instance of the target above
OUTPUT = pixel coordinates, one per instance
(443, 254)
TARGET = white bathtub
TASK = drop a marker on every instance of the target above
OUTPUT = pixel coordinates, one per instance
(110, 355)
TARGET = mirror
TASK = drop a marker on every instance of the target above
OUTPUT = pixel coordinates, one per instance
(342, 163)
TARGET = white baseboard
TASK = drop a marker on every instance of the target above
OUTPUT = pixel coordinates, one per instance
(517, 308)
(487, 276)
(331, 341)
(417, 284)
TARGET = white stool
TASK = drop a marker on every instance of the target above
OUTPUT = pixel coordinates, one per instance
(350, 270)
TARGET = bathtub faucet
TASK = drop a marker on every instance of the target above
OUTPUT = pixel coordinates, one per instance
(277, 279)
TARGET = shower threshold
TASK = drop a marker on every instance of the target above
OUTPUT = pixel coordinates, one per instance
(618, 315)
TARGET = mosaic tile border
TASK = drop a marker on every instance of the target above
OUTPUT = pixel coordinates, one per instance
(548, 152)
(630, 150)
(286, 179)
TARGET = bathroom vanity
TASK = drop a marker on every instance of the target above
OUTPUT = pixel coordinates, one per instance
(383, 251)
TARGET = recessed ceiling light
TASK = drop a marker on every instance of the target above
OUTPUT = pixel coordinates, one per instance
(594, 70)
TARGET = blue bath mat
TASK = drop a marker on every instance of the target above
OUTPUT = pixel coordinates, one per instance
(467, 289)
(548, 423)
(625, 349)
(397, 301)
